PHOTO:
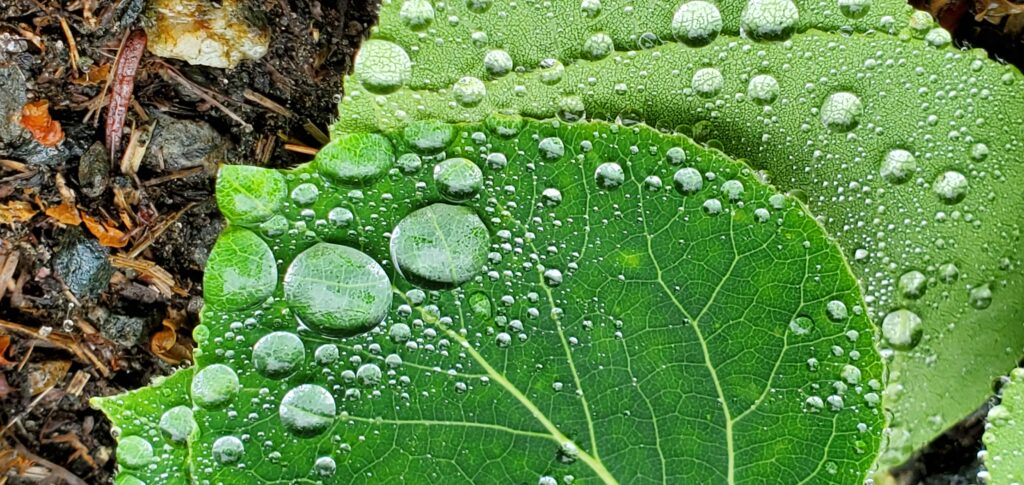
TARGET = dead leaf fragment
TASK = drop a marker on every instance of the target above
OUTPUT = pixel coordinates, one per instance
(35, 117)
(45, 375)
(16, 211)
(5, 341)
(107, 234)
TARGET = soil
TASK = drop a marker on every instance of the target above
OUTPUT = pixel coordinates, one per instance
(80, 317)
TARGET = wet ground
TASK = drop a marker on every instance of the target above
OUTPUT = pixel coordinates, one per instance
(101, 261)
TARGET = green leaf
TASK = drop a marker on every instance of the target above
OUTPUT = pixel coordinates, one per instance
(608, 303)
(1004, 434)
(906, 152)
(152, 426)
(249, 195)
(241, 271)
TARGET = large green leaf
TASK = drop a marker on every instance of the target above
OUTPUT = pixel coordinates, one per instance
(1004, 434)
(908, 153)
(152, 426)
(558, 300)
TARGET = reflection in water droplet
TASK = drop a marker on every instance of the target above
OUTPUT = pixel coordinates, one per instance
(369, 374)
(278, 354)
(763, 89)
(696, 23)
(897, 166)
(307, 410)
(382, 67)
(902, 329)
(440, 244)
(951, 187)
(609, 175)
(355, 158)
(326, 354)
(707, 82)
(429, 137)
(177, 424)
(214, 386)
(733, 189)
(769, 20)
(458, 179)
(337, 290)
(551, 197)
(590, 7)
(841, 111)
(228, 450)
(675, 155)
(305, 194)
(688, 180)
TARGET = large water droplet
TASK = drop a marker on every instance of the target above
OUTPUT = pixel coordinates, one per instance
(337, 290)
(228, 450)
(898, 166)
(551, 148)
(769, 20)
(429, 137)
(134, 452)
(177, 424)
(382, 67)
(240, 272)
(250, 195)
(696, 23)
(980, 297)
(417, 14)
(763, 89)
(854, 9)
(441, 244)
(598, 46)
(688, 180)
(707, 82)
(469, 91)
(278, 354)
(497, 62)
(458, 179)
(214, 386)
(609, 175)
(951, 187)
(355, 158)
(307, 410)
(325, 466)
(841, 111)
(902, 329)
(912, 284)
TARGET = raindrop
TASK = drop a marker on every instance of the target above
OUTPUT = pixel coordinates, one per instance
(609, 175)
(769, 20)
(278, 354)
(675, 155)
(902, 329)
(368, 374)
(551, 148)
(696, 23)
(325, 466)
(688, 180)
(469, 91)
(598, 46)
(307, 410)
(707, 82)
(228, 450)
(416, 14)
(841, 111)
(458, 179)
(912, 284)
(441, 244)
(134, 452)
(355, 158)
(497, 62)
(897, 166)
(177, 424)
(854, 9)
(214, 386)
(551, 197)
(980, 297)
(951, 187)
(382, 67)
(763, 89)
(836, 311)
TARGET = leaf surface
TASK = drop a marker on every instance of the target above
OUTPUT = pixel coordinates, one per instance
(906, 152)
(1004, 434)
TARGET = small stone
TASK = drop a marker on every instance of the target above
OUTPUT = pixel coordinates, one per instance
(82, 264)
(181, 144)
(124, 330)
(201, 33)
(94, 170)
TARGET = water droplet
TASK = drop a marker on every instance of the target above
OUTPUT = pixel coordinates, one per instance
(854, 9)
(429, 137)
(712, 207)
(337, 290)
(590, 7)
(504, 125)
(707, 82)
(951, 187)
(441, 244)
(979, 151)
(551, 197)
(416, 14)
(177, 424)
(851, 374)
(340, 216)
(382, 67)
(307, 410)
(551, 148)
(653, 183)
(214, 386)
(552, 277)
(134, 452)
(902, 329)
(609, 175)
(675, 155)
(240, 272)
(912, 284)
(458, 179)
(688, 180)
(696, 23)
(503, 339)
(326, 354)
(368, 374)
(897, 166)
(278, 354)
(228, 450)
(763, 89)
(841, 111)
(325, 466)
(551, 71)
(478, 6)
(980, 297)
(250, 195)
(469, 91)
(598, 46)
(769, 20)
(497, 62)
(938, 37)
(948, 273)
(355, 158)
(733, 189)
(836, 311)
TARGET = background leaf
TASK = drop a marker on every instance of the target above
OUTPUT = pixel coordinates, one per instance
(1004, 434)
(905, 149)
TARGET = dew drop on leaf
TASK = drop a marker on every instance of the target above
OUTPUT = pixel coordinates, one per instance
(688, 180)
(278, 354)
(951, 187)
(841, 111)
(240, 272)
(551, 148)
(307, 410)
(134, 452)
(497, 62)
(325, 466)
(228, 450)
(707, 82)
(417, 14)
(440, 244)
(854, 9)
(769, 20)
(177, 424)
(912, 284)
(469, 91)
(214, 386)
(609, 175)
(458, 179)
(763, 89)
(902, 329)
(382, 67)
(429, 137)
(898, 166)
(598, 46)
(337, 290)
(696, 23)
(356, 158)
